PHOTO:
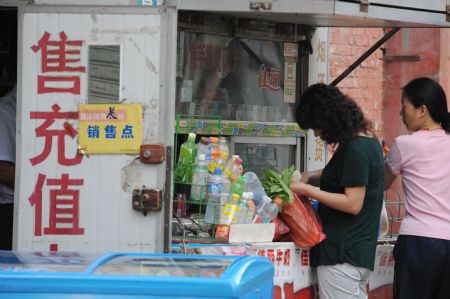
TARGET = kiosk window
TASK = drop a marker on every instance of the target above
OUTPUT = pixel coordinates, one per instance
(104, 74)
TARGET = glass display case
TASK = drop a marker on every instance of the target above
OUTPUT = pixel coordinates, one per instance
(133, 275)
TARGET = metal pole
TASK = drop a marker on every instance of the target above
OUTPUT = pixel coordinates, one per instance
(364, 56)
(166, 204)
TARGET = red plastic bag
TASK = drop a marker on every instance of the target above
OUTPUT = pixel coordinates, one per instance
(304, 224)
(280, 229)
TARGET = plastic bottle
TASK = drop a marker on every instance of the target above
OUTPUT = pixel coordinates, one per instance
(243, 207)
(229, 167)
(233, 169)
(231, 211)
(226, 183)
(212, 213)
(253, 184)
(234, 157)
(200, 179)
(220, 162)
(188, 152)
(214, 148)
(268, 212)
(223, 146)
(259, 213)
(202, 147)
(238, 186)
(225, 191)
(237, 169)
(251, 208)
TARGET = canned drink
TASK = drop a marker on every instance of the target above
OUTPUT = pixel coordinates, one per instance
(315, 204)
(179, 205)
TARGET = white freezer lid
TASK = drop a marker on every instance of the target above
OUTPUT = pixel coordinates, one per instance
(331, 13)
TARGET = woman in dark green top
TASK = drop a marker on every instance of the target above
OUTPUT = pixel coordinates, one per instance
(350, 194)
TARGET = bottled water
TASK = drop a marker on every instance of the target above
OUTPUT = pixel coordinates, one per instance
(231, 211)
(243, 207)
(267, 212)
(200, 179)
(223, 146)
(253, 184)
(251, 208)
(233, 168)
(220, 162)
(202, 148)
(226, 183)
(212, 213)
(213, 148)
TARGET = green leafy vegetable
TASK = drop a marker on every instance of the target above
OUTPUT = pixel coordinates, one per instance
(277, 185)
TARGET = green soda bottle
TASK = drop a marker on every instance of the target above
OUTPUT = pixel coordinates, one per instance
(188, 152)
(238, 186)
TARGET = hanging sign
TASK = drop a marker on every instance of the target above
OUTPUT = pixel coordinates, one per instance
(290, 72)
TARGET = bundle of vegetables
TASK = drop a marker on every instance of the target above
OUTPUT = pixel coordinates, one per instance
(298, 214)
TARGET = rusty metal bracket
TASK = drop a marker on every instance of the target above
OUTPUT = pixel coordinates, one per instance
(402, 58)
(146, 200)
(363, 5)
(447, 12)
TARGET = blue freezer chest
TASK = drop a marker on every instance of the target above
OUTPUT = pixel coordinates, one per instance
(73, 275)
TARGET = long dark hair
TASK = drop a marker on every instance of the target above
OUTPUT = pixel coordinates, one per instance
(326, 108)
(426, 91)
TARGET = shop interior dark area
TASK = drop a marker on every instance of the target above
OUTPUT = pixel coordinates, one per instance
(8, 48)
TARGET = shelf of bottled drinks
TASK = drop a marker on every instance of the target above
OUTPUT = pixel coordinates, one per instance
(211, 189)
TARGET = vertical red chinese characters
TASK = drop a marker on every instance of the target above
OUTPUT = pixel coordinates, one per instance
(59, 57)
(60, 64)
(64, 206)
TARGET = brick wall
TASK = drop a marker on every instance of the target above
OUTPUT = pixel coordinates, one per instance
(365, 83)
(421, 42)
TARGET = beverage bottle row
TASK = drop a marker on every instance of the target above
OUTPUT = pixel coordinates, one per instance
(216, 154)
(230, 195)
(220, 194)
(242, 210)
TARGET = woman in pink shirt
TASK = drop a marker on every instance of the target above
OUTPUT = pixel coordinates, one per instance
(422, 250)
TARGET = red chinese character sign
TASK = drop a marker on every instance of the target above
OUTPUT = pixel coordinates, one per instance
(64, 205)
(60, 59)
(291, 264)
(269, 77)
(57, 194)
(383, 273)
(66, 129)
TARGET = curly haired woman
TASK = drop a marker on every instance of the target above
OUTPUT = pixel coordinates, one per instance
(350, 193)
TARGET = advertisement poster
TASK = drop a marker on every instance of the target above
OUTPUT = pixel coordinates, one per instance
(110, 128)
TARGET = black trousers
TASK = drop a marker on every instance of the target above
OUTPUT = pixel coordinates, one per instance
(6, 226)
(422, 268)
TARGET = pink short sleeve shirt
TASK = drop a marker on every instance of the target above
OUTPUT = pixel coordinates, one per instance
(423, 160)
